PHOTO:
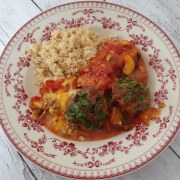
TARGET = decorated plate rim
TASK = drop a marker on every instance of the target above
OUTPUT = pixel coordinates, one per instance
(112, 175)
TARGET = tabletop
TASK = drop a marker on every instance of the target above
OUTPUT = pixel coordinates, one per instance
(13, 14)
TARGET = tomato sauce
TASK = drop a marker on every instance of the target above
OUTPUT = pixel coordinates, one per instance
(107, 131)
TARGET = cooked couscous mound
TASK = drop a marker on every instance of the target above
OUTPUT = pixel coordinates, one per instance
(64, 53)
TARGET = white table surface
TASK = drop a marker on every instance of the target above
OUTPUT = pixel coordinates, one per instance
(14, 13)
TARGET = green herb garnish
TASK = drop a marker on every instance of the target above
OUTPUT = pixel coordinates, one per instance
(74, 112)
(97, 109)
(90, 125)
(82, 98)
(84, 102)
(142, 97)
(136, 89)
(127, 83)
(101, 114)
(80, 107)
(128, 96)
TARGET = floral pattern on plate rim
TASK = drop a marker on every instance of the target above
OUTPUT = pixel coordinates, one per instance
(141, 132)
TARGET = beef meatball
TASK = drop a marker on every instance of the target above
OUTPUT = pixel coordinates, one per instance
(131, 96)
(87, 108)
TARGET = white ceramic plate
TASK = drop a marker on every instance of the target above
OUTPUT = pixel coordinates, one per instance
(102, 159)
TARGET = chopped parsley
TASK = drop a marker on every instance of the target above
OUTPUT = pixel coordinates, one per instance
(135, 89)
(80, 107)
(82, 98)
(74, 112)
(127, 83)
(90, 125)
(142, 97)
(128, 96)
(97, 110)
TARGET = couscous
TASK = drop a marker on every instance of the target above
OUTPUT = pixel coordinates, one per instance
(64, 53)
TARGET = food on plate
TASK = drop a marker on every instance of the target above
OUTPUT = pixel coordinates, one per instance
(88, 108)
(98, 99)
(131, 96)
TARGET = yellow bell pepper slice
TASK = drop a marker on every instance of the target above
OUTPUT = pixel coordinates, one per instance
(116, 117)
(125, 43)
(129, 65)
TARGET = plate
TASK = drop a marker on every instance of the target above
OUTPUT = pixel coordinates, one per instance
(99, 159)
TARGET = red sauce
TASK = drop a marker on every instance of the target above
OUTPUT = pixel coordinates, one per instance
(98, 72)
(107, 131)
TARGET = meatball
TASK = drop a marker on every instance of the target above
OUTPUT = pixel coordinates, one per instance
(87, 108)
(131, 96)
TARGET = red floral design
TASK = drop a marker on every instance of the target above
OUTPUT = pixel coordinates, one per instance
(163, 122)
(47, 31)
(23, 62)
(88, 12)
(38, 146)
(91, 164)
(27, 121)
(8, 80)
(156, 63)
(112, 147)
(172, 74)
(161, 96)
(130, 23)
(141, 41)
(109, 148)
(107, 23)
(20, 95)
(73, 23)
(67, 148)
(28, 38)
(140, 135)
